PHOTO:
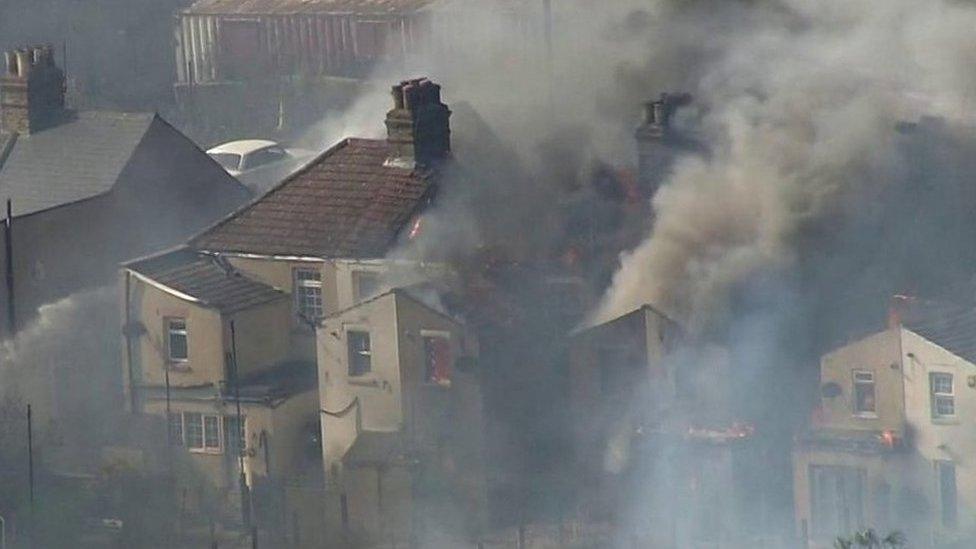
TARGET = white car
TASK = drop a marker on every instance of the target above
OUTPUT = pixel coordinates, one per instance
(258, 163)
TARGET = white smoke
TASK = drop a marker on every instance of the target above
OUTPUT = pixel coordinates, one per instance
(801, 109)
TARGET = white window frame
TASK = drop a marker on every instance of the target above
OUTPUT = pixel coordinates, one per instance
(937, 396)
(369, 338)
(314, 284)
(170, 331)
(204, 449)
(868, 379)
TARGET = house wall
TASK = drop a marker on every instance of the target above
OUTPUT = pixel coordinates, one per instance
(262, 340)
(879, 354)
(952, 440)
(291, 454)
(167, 191)
(447, 422)
(378, 393)
(877, 475)
(149, 306)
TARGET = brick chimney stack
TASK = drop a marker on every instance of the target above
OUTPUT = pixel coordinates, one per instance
(656, 140)
(418, 125)
(31, 90)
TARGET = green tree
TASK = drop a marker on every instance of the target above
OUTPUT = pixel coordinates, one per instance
(869, 539)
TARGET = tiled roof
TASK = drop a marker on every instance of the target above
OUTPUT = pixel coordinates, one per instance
(948, 325)
(77, 159)
(345, 204)
(207, 279)
(267, 7)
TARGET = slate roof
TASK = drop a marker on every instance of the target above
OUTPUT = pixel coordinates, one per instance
(344, 204)
(75, 160)
(948, 325)
(268, 7)
(211, 281)
(278, 382)
(372, 448)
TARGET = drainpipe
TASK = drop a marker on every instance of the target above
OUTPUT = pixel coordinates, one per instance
(8, 240)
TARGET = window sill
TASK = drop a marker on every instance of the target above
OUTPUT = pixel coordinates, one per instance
(865, 415)
(365, 381)
(949, 420)
(205, 452)
(179, 367)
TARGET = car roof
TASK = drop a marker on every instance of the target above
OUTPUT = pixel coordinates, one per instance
(242, 147)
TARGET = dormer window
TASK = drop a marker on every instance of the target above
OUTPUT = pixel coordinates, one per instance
(177, 345)
(864, 394)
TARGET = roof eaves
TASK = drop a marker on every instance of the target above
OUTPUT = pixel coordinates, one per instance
(929, 340)
(172, 291)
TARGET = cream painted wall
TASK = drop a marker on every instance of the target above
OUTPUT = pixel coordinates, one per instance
(880, 354)
(263, 337)
(151, 306)
(941, 439)
(378, 392)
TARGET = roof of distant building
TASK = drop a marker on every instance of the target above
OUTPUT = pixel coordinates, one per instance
(269, 7)
(206, 279)
(948, 325)
(78, 159)
(347, 203)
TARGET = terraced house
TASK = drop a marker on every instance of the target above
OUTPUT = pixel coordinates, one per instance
(301, 282)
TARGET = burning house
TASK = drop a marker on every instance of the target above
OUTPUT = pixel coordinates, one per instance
(654, 431)
(301, 277)
(887, 446)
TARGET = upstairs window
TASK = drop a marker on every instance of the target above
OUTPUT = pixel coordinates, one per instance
(201, 432)
(864, 402)
(437, 360)
(943, 398)
(365, 284)
(176, 340)
(308, 293)
(360, 353)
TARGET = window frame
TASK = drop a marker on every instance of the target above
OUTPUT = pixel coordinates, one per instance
(855, 383)
(314, 284)
(170, 332)
(357, 292)
(204, 447)
(437, 334)
(937, 396)
(358, 374)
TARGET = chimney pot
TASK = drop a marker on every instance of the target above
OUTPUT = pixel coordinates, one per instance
(418, 127)
(23, 63)
(398, 96)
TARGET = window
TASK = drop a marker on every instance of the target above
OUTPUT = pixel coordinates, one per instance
(229, 161)
(365, 284)
(437, 360)
(176, 429)
(864, 404)
(943, 401)
(308, 293)
(201, 432)
(176, 340)
(360, 353)
(947, 492)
